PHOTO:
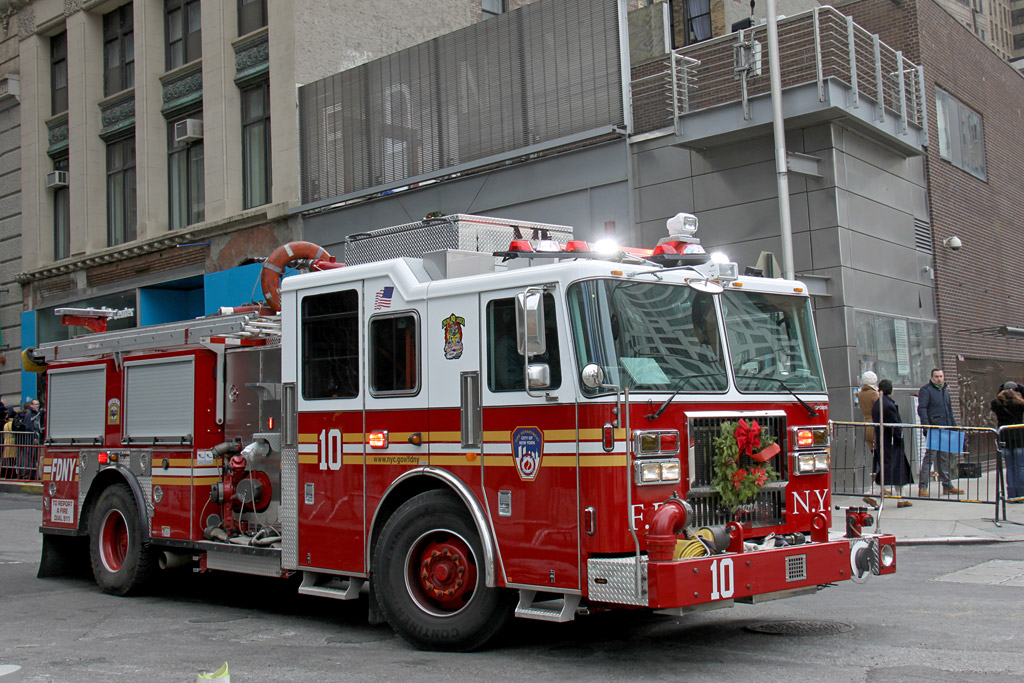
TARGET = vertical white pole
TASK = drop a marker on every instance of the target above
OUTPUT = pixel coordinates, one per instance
(781, 169)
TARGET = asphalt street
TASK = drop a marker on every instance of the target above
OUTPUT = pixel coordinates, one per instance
(951, 613)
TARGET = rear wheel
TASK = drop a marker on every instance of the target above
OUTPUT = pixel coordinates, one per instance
(121, 559)
(429, 576)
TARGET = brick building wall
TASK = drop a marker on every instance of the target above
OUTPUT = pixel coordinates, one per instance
(977, 288)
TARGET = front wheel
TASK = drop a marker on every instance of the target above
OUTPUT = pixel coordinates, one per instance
(429, 576)
(121, 559)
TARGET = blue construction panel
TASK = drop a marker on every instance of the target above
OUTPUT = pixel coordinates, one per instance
(232, 287)
(28, 339)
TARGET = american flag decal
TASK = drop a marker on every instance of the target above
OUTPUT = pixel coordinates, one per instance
(383, 298)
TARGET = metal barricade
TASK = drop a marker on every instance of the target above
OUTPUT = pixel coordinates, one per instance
(1011, 442)
(21, 457)
(971, 458)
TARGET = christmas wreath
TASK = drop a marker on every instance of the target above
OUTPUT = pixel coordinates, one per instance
(738, 485)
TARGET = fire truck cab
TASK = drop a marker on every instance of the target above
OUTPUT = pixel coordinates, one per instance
(469, 433)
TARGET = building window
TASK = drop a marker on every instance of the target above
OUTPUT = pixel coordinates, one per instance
(59, 73)
(492, 8)
(394, 355)
(904, 350)
(330, 345)
(698, 20)
(961, 134)
(185, 176)
(1018, 41)
(118, 50)
(184, 34)
(256, 145)
(121, 191)
(252, 14)
(61, 215)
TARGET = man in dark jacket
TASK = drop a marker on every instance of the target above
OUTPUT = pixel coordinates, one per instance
(934, 407)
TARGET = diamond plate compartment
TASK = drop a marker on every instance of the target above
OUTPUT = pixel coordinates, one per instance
(613, 579)
(289, 507)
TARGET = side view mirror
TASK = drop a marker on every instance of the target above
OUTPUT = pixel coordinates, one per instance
(530, 338)
(592, 376)
(538, 375)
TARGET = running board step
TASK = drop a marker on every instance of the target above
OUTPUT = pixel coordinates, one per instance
(329, 586)
(558, 610)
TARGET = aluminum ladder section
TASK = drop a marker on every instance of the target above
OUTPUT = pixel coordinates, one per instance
(160, 336)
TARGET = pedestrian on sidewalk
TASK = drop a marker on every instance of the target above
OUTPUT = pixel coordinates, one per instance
(866, 398)
(1008, 406)
(896, 467)
(935, 407)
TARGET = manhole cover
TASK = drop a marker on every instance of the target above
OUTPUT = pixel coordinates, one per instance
(800, 628)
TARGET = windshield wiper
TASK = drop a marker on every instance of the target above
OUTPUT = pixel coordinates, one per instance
(678, 388)
(810, 411)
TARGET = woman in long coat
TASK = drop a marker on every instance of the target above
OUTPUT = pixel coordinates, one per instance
(866, 399)
(897, 467)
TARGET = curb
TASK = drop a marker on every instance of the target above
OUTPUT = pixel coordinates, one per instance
(21, 487)
(956, 540)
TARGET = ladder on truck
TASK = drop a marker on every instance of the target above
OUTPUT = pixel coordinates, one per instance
(217, 328)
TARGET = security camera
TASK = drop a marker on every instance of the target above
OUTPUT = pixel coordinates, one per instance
(953, 243)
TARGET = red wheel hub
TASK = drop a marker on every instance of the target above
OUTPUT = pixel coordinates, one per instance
(114, 541)
(445, 572)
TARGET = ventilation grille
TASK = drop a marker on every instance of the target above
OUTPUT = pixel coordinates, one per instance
(923, 236)
(796, 568)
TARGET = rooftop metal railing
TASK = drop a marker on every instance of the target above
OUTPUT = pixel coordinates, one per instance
(814, 46)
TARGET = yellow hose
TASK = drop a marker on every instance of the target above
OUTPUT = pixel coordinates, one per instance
(687, 549)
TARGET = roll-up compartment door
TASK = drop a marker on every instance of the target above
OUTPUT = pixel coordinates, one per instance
(76, 403)
(159, 399)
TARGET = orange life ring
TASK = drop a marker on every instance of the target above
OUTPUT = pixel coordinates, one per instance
(273, 267)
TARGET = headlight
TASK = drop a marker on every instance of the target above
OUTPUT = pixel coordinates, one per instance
(808, 463)
(888, 554)
(657, 471)
(650, 472)
(821, 461)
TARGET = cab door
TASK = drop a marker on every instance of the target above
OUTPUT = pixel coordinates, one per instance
(530, 448)
(396, 399)
(330, 398)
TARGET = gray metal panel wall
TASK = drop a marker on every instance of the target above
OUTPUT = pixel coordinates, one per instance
(545, 71)
(584, 189)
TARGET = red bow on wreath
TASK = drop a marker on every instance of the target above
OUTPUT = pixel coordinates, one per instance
(746, 436)
(747, 441)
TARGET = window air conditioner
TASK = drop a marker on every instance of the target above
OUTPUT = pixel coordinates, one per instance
(57, 179)
(188, 130)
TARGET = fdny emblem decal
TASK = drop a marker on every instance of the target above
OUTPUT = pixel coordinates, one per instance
(453, 336)
(527, 446)
(114, 411)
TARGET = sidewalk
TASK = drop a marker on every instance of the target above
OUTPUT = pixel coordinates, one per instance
(935, 521)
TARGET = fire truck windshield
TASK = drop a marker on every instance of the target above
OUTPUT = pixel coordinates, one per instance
(771, 342)
(648, 336)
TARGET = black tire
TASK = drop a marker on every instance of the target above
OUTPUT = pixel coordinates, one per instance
(118, 548)
(426, 548)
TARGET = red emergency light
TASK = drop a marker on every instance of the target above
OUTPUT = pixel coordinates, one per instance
(377, 439)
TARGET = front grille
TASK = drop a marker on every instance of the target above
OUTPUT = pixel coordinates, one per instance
(767, 508)
(796, 568)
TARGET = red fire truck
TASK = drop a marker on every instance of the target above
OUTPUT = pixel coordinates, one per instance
(466, 431)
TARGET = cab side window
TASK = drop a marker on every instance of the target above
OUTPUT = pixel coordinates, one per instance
(330, 345)
(394, 355)
(504, 362)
